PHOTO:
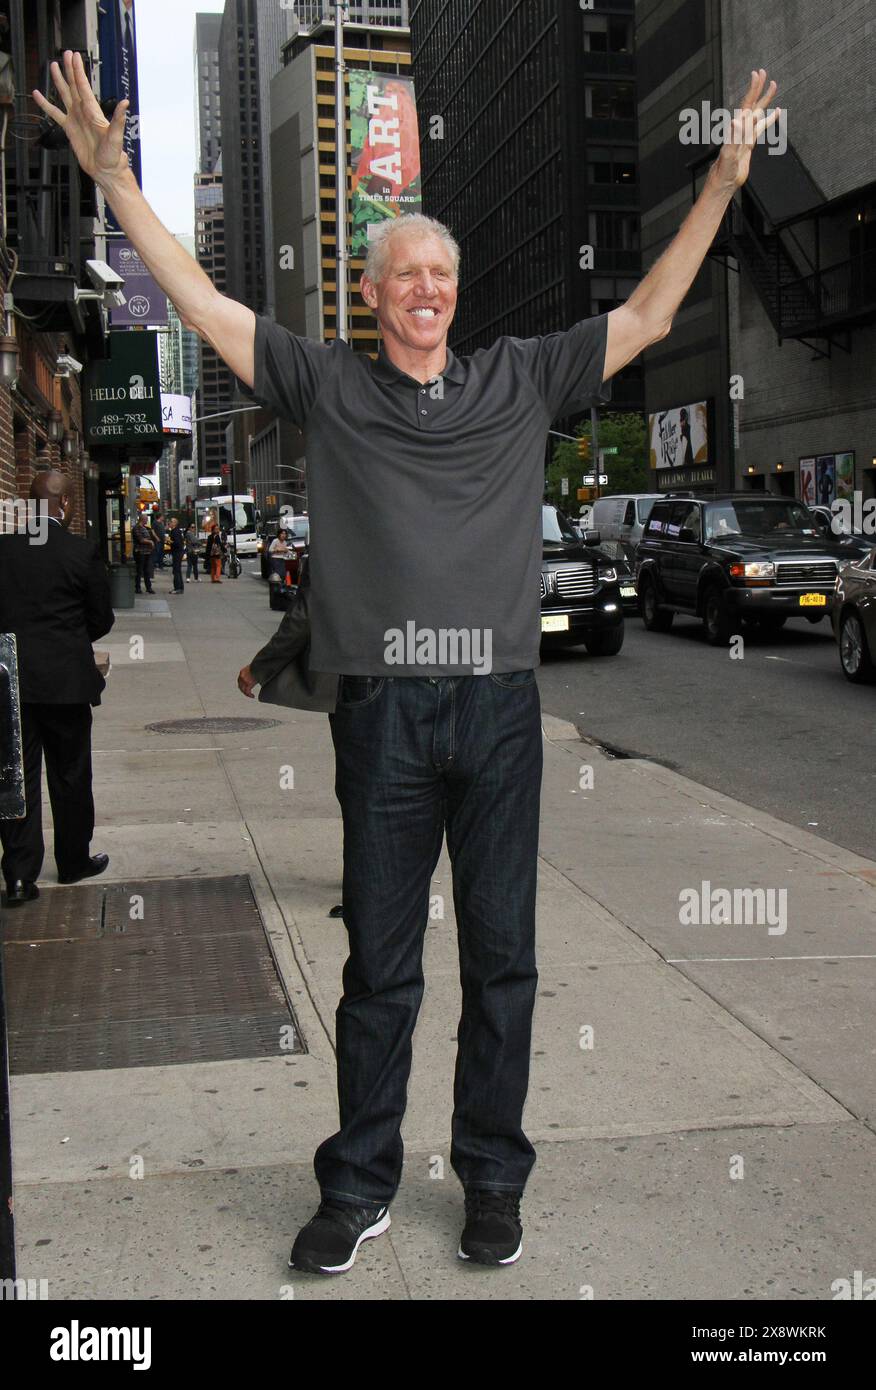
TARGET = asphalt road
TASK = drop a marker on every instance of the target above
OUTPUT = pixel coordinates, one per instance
(781, 729)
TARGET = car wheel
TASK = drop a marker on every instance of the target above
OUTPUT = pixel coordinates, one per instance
(655, 619)
(716, 620)
(854, 652)
(606, 643)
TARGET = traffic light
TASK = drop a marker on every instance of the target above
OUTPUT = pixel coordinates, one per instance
(584, 449)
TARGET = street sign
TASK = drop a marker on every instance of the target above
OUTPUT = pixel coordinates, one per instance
(611, 449)
(209, 482)
(603, 480)
(589, 479)
(564, 487)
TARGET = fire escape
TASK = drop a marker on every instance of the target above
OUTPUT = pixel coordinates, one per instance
(810, 260)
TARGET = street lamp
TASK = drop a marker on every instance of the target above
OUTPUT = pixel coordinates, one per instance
(55, 426)
(8, 360)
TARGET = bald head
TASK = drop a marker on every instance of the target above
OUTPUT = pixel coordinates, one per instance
(54, 488)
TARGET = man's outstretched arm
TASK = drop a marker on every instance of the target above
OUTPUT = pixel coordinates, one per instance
(97, 143)
(647, 315)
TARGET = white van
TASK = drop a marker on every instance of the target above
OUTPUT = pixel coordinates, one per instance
(621, 520)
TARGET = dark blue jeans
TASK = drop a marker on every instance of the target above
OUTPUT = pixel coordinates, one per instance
(416, 757)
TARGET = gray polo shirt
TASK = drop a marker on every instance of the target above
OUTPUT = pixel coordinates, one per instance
(425, 500)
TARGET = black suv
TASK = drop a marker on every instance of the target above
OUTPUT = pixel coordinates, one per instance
(734, 558)
(580, 594)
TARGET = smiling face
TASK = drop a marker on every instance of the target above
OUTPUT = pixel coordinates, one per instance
(415, 301)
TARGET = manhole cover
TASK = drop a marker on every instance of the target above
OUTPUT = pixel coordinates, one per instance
(211, 726)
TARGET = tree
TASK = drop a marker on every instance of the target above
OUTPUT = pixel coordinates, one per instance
(628, 470)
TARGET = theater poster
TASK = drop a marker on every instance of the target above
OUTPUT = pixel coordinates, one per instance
(680, 437)
(825, 479)
(385, 146)
(807, 481)
(117, 36)
(845, 476)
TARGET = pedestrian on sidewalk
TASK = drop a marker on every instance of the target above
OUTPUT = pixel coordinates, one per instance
(437, 726)
(177, 550)
(160, 531)
(144, 555)
(214, 554)
(278, 552)
(192, 555)
(55, 598)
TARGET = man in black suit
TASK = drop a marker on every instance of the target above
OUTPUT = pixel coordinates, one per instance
(55, 598)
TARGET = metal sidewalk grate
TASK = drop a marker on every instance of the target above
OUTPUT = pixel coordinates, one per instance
(143, 974)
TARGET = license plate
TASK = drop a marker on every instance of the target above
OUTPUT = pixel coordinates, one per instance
(813, 600)
(554, 622)
(627, 592)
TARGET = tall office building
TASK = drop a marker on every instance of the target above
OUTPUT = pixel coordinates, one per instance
(393, 12)
(303, 145)
(215, 381)
(251, 38)
(208, 112)
(532, 163)
(777, 337)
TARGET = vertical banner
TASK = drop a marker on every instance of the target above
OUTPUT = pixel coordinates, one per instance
(807, 481)
(825, 479)
(385, 145)
(117, 36)
(145, 302)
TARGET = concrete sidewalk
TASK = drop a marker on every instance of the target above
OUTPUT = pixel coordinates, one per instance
(715, 1141)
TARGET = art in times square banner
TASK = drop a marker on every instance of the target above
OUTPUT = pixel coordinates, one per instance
(385, 146)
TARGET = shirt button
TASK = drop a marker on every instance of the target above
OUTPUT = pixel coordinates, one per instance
(424, 412)
(423, 391)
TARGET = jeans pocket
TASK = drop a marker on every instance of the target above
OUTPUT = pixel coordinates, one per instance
(354, 691)
(513, 679)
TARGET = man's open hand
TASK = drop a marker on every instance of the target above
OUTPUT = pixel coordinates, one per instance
(97, 143)
(746, 127)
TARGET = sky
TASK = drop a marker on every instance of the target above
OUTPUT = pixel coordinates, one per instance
(166, 70)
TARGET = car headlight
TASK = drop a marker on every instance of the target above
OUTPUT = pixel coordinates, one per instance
(607, 576)
(755, 569)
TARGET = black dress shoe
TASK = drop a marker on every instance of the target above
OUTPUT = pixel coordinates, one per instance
(20, 891)
(96, 865)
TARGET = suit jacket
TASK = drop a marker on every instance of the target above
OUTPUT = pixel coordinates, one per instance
(55, 597)
(282, 667)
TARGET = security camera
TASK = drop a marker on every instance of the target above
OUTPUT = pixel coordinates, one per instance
(67, 364)
(107, 285)
(102, 276)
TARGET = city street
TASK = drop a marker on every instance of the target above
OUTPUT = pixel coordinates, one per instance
(709, 1043)
(781, 728)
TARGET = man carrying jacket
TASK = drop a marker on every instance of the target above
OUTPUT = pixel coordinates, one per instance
(55, 599)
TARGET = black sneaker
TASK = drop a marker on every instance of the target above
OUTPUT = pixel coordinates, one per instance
(493, 1232)
(330, 1241)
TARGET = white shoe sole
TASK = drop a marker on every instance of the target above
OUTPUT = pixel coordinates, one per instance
(509, 1261)
(376, 1230)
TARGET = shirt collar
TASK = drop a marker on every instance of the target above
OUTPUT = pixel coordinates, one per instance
(385, 370)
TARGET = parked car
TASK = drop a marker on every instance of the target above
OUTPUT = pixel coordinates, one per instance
(622, 520)
(580, 593)
(854, 618)
(854, 543)
(613, 555)
(734, 558)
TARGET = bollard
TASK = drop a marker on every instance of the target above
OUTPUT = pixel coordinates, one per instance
(11, 808)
